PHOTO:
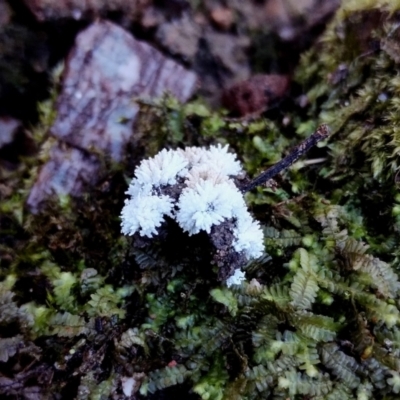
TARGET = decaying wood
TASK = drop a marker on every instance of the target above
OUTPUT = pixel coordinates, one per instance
(105, 71)
(67, 172)
(8, 129)
(96, 111)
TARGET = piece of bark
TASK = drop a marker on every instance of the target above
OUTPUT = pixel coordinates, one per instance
(67, 172)
(220, 58)
(96, 111)
(8, 129)
(105, 71)
(254, 95)
(180, 37)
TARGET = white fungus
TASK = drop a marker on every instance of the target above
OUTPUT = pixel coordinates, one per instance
(128, 384)
(194, 186)
(144, 214)
(236, 279)
(206, 204)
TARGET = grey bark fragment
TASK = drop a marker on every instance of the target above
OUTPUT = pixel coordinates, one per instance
(105, 71)
(8, 129)
(67, 172)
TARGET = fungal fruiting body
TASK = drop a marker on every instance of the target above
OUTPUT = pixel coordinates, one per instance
(195, 187)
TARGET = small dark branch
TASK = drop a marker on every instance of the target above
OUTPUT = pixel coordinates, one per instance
(321, 133)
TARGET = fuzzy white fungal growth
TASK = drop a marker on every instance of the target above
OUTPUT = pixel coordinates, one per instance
(216, 158)
(249, 237)
(236, 279)
(145, 214)
(162, 169)
(219, 159)
(128, 385)
(205, 205)
(195, 187)
(204, 173)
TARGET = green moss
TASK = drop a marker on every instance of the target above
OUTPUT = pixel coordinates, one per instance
(319, 316)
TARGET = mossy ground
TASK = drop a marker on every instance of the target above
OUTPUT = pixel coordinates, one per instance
(319, 317)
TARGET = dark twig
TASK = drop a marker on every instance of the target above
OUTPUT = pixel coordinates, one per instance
(321, 133)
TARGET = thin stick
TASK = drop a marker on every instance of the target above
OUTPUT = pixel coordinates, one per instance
(321, 133)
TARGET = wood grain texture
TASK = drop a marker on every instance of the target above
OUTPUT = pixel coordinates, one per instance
(106, 70)
(96, 111)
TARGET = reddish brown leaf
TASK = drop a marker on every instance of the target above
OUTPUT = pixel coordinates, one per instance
(255, 94)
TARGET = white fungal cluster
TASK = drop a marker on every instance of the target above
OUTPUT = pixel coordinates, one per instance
(194, 186)
(236, 279)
